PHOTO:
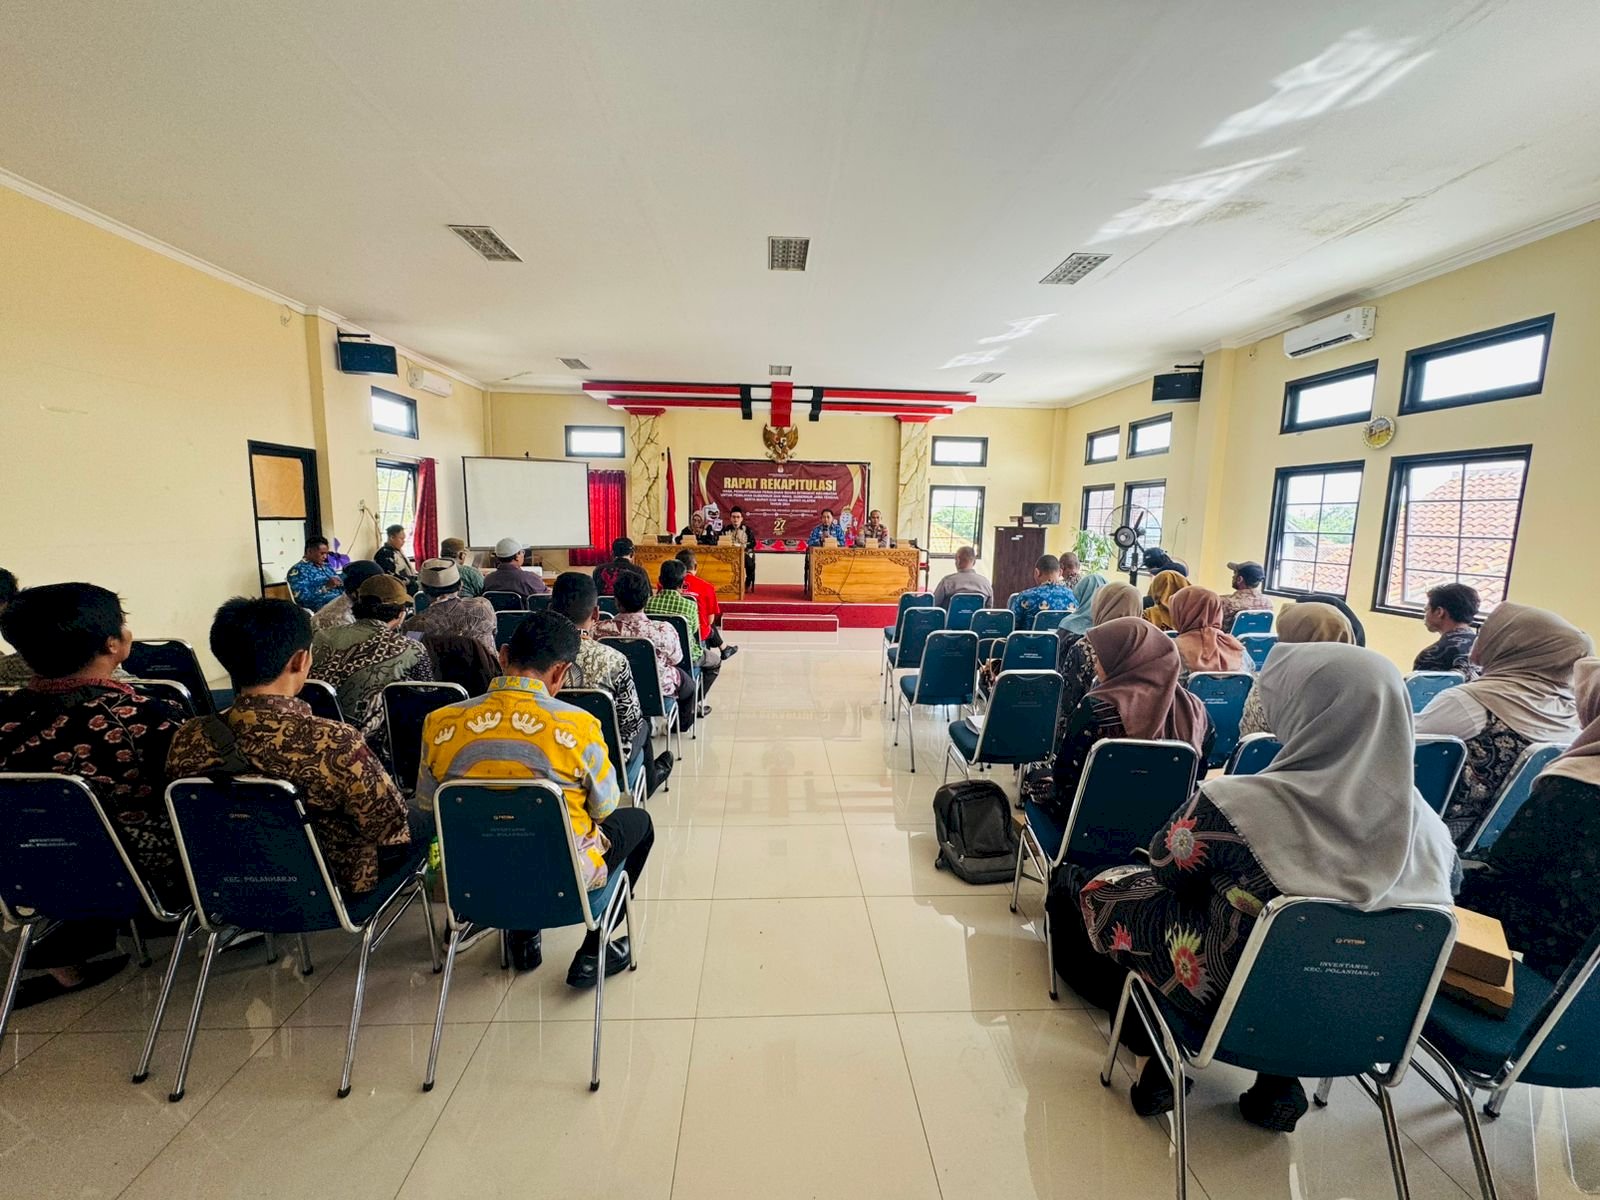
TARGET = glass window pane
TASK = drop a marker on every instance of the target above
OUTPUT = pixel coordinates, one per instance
(1461, 524)
(1314, 527)
(1297, 576)
(393, 414)
(958, 452)
(954, 518)
(1103, 446)
(1483, 369)
(1302, 516)
(1438, 482)
(1331, 577)
(600, 442)
(1337, 398)
(1437, 518)
(1155, 436)
(1304, 489)
(1498, 480)
(1342, 487)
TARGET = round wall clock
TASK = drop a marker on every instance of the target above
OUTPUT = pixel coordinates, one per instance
(1378, 433)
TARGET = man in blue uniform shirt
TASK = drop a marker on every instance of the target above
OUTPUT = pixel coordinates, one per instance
(311, 580)
(828, 527)
(1048, 592)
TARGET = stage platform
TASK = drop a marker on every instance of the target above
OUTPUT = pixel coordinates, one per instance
(778, 607)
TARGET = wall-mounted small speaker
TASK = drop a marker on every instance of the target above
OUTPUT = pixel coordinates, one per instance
(1177, 387)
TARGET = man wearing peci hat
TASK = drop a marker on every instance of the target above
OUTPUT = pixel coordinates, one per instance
(1246, 595)
(449, 611)
(508, 575)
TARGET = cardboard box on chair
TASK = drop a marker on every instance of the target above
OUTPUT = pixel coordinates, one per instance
(1479, 973)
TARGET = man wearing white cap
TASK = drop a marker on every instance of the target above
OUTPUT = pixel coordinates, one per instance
(450, 611)
(508, 575)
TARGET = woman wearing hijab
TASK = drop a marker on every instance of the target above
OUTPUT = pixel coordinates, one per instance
(1162, 588)
(1523, 696)
(1202, 645)
(1077, 658)
(1541, 878)
(1136, 695)
(1308, 621)
(1078, 623)
(1336, 815)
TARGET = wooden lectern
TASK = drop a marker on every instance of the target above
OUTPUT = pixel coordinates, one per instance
(1016, 548)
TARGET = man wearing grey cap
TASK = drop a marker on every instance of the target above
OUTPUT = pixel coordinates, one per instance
(449, 611)
(1246, 595)
(508, 575)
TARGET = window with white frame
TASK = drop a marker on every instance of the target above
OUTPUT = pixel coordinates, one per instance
(955, 519)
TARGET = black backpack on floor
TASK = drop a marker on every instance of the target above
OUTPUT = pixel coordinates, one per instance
(977, 834)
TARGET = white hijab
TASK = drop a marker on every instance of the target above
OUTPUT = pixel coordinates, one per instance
(1337, 814)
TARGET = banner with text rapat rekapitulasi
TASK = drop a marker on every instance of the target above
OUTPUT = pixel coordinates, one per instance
(780, 500)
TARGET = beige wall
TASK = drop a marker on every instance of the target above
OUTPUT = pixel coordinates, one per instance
(130, 386)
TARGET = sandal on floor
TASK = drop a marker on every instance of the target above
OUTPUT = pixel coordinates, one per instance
(1153, 1095)
(45, 987)
(1274, 1102)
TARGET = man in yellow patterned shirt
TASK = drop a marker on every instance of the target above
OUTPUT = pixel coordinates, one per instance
(519, 730)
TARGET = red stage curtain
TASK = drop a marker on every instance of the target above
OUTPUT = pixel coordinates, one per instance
(607, 517)
(425, 537)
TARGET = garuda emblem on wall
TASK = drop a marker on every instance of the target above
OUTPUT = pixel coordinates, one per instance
(780, 442)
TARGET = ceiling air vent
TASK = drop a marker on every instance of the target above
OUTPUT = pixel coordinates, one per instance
(574, 364)
(987, 377)
(787, 253)
(1075, 268)
(486, 242)
(780, 369)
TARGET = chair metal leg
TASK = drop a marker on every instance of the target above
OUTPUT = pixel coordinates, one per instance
(14, 977)
(1116, 1032)
(433, 930)
(438, 1018)
(193, 1027)
(1324, 1090)
(306, 965)
(142, 1071)
(1180, 1127)
(1050, 954)
(139, 948)
(896, 721)
(355, 1008)
(911, 734)
(1462, 1102)
(271, 944)
(505, 950)
(1391, 1133)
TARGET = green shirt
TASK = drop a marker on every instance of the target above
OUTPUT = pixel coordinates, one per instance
(471, 581)
(683, 605)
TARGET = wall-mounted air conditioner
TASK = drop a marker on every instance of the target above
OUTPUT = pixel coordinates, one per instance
(1352, 325)
(428, 381)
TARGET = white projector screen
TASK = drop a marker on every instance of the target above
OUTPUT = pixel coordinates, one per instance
(545, 502)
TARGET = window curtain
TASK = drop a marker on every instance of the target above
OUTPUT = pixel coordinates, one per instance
(607, 517)
(425, 538)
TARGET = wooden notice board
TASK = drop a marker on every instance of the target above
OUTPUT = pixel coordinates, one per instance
(720, 566)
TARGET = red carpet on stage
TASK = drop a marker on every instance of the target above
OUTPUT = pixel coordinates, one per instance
(783, 607)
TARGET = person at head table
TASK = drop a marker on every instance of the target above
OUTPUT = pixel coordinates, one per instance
(697, 530)
(391, 556)
(964, 579)
(828, 527)
(875, 528)
(508, 575)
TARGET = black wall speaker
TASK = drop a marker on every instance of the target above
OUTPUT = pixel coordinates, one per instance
(1177, 387)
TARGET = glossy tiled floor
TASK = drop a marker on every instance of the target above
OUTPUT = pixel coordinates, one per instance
(818, 1013)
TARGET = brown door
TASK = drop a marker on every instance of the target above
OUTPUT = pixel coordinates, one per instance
(283, 487)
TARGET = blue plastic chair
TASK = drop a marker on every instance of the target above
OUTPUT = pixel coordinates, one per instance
(61, 860)
(1020, 727)
(1423, 686)
(420, 602)
(686, 641)
(1223, 693)
(539, 602)
(506, 623)
(908, 600)
(1031, 651)
(1253, 754)
(993, 623)
(1361, 983)
(962, 606)
(406, 706)
(171, 658)
(641, 656)
(1251, 620)
(1439, 761)
(170, 690)
(323, 698)
(1129, 789)
(1259, 645)
(608, 605)
(510, 862)
(506, 601)
(1513, 795)
(947, 675)
(253, 862)
(603, 708)
(1049, 618)
(906, 654)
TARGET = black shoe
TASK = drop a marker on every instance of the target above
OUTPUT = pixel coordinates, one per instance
(728, 651)
(705, 710)
(40, 988)
(1153, 1095)
(582, 973)
(527, 949)
(1274, 1102)
(663, 765)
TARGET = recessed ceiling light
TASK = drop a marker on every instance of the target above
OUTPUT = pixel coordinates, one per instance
(1074, 268)
(987, 377)
(780, 369)
(574, 364)
(486, 242)
(787, 253)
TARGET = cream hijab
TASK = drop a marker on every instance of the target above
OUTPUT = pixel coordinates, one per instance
(1336, 814)
(1113, 600)
(1313, 621)
(1582, 760)
(1527, 656)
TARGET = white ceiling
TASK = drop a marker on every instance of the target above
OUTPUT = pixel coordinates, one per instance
(1241, 161)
